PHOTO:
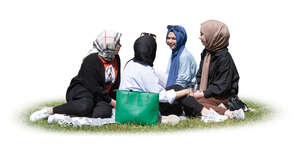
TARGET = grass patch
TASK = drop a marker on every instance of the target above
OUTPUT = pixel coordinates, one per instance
(261, 112)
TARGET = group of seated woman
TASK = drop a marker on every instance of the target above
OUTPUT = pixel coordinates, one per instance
(91, 92)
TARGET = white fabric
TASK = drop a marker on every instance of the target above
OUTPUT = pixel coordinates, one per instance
(171, 95)
(213, 116)
(138, 77)
(163, 77)
(238, 114)
(107, 39)
(64, 120)
(40, 114)
(91, 51)
(106, 42)
(171, 119)
(110, 76)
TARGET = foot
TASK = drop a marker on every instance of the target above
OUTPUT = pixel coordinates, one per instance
(41, 114)
(55, 118)
(238, 114)
(171, 119)
(213, 116)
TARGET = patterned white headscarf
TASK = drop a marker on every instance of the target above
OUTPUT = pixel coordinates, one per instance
(105, 43)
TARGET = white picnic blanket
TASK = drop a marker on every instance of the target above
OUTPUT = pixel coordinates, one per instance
(65, 120)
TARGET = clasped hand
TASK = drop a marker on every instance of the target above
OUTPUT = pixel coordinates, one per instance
(196, 94)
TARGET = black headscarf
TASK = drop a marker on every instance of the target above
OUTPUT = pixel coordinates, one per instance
(145, 50)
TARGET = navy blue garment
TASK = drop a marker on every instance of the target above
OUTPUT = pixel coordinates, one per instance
(181, 38)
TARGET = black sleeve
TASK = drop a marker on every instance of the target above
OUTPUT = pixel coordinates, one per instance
(199, 72)
(93, 78)
(235, 80)
(221, 84)
(116, 85)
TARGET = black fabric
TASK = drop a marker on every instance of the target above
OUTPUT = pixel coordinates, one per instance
(86, 94)
(81, 103)
(235, 103)
(166, 109)
(145, 50)
(102, 110)
(92, 76)
(187, 104)
(223, 77)
(191, 107)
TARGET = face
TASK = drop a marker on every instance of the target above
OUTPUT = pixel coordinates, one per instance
(117, 48)
(171, 40)
(202, 38)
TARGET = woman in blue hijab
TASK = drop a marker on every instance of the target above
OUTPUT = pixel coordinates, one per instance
(182, 67)
(181, 70)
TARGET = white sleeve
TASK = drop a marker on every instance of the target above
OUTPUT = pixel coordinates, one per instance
(151, 84)
(167, 96)
(163, 77)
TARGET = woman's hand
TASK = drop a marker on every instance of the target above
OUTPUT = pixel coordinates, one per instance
(198, 94)
(113, 103)
(191, 92)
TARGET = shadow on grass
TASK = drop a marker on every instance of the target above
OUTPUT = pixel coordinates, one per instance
(262, 112)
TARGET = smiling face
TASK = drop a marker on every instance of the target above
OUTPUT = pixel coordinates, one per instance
(171, 40)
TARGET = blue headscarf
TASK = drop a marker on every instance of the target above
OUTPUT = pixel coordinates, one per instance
(181, 38)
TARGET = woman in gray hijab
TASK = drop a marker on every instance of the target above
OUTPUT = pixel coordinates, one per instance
(91, 91)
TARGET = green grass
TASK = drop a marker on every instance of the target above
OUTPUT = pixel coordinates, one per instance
(262, 112)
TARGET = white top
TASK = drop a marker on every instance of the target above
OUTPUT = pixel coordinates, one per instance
(138, 77)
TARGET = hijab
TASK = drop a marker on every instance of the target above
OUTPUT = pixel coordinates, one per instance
(145, 50)
(181, 38)
(217, 36)
(105, 43)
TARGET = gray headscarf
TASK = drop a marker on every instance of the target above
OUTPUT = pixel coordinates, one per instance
(106, 43)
